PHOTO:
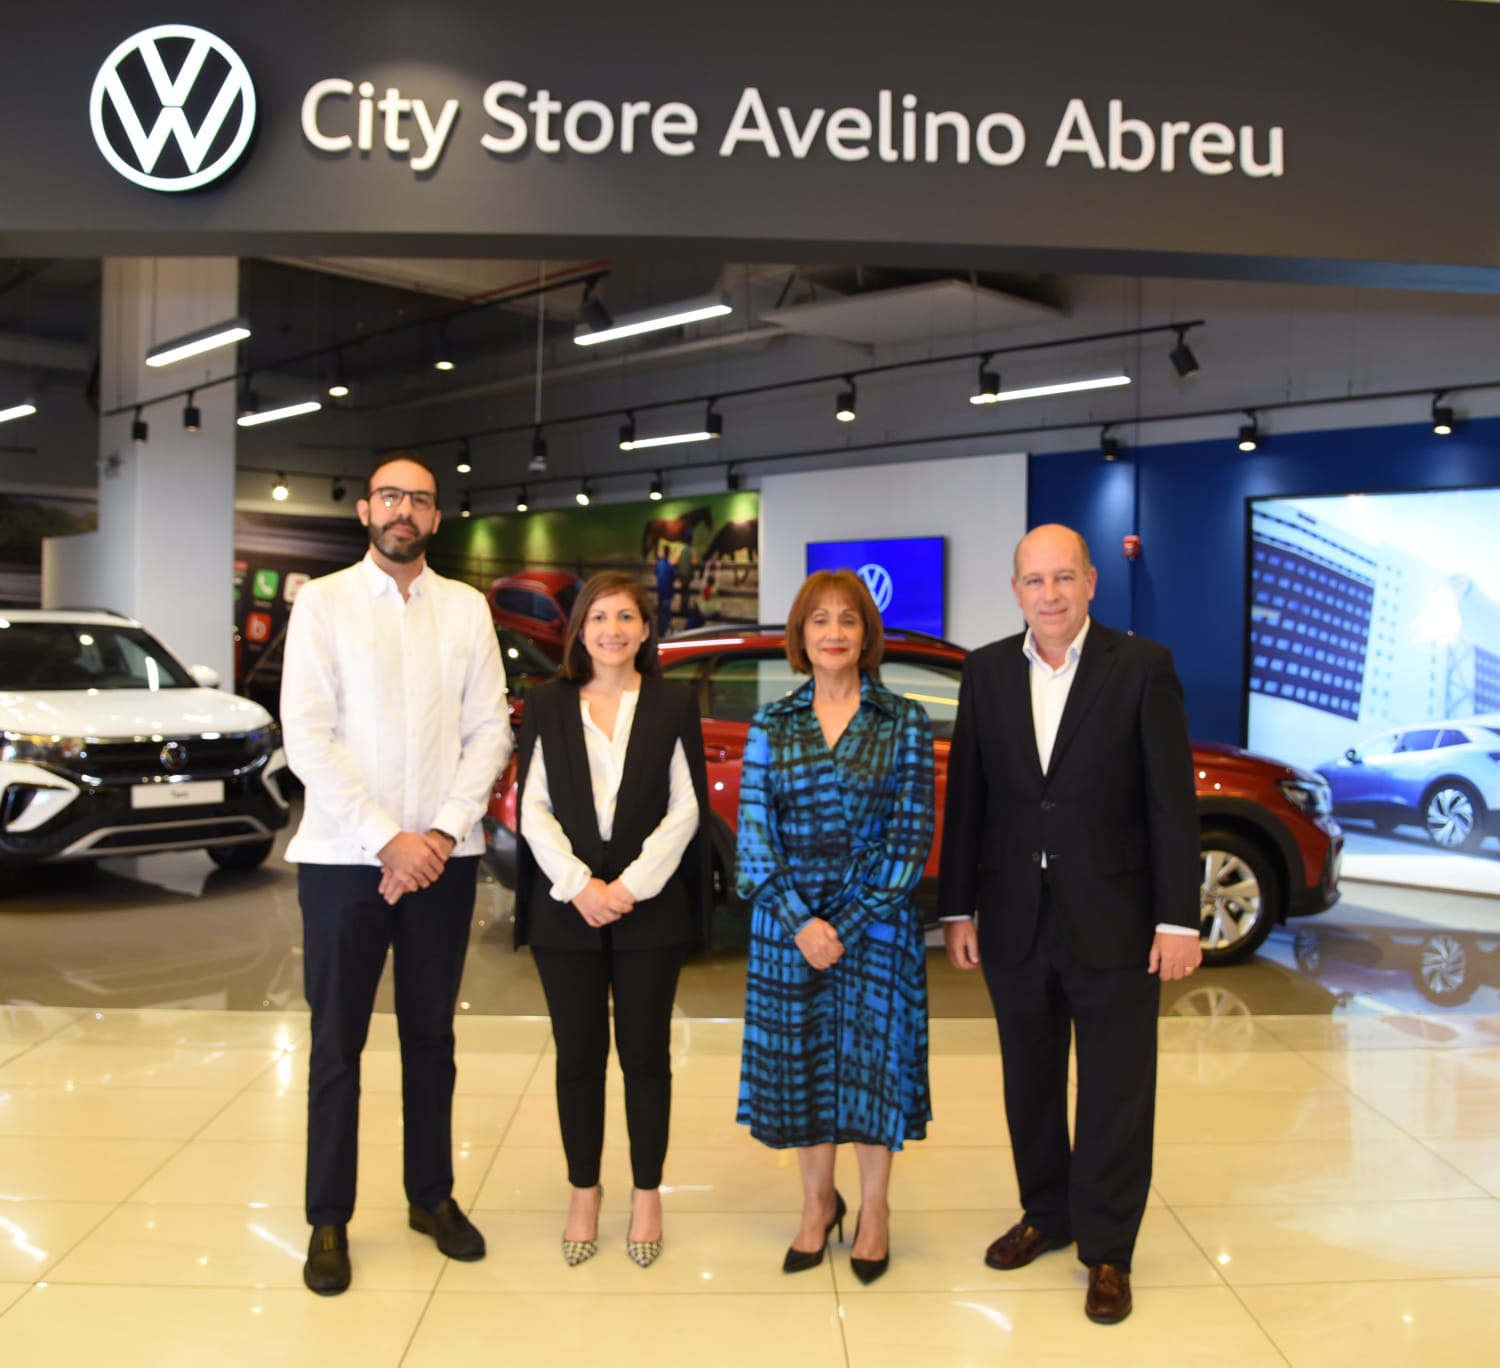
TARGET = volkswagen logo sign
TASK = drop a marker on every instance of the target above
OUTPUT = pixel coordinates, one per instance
(174, 757)
(878, 581)
(173, 108)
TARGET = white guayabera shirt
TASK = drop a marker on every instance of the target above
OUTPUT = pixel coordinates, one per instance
(392, 711)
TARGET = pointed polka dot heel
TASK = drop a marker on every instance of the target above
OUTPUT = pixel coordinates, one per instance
(644, 1252)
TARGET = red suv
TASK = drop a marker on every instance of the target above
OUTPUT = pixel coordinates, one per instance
(1270, 848)
(536, 603)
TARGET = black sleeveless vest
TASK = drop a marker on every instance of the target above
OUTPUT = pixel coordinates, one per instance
(678, 914)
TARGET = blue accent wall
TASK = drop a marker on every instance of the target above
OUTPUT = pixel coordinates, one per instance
(1187, 502)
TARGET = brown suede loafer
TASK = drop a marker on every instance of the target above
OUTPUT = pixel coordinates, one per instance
(1020, 1245)
(1108, 1301)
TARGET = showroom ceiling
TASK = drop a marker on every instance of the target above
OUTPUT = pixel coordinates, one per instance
(385, 319)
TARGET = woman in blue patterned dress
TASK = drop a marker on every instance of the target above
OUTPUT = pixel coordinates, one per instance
(835, 823)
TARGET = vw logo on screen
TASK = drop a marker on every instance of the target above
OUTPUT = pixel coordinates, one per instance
(173, 108)
(878, 581)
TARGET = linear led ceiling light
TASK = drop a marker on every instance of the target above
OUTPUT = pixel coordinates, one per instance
(1442, 416)
(995, 396)
(669, 316)
(1249, 433)
(196, 343)
(713, 428)
(22, 410)
(293, 409)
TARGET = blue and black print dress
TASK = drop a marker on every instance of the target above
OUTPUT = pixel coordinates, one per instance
(843, 834)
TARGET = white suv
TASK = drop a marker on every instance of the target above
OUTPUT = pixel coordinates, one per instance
(108, 746)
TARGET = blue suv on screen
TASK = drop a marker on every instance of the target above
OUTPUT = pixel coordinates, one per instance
(1443, 776)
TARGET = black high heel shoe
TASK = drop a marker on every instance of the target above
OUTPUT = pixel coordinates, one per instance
(800, 1260)
(868, 1270)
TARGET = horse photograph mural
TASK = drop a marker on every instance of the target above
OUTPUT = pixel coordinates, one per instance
(737, 545)
(696, 556)
(679, 530)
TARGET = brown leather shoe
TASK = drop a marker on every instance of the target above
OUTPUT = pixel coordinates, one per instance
(326, 1271)
(1108, 1301)
(450, 1228)
(1020, 1245)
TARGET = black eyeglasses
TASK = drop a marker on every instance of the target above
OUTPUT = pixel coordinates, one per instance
(388, 496)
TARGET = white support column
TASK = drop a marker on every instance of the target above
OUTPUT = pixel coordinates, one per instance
(165, 551)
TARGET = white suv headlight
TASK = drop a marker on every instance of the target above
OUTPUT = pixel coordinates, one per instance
(55, 750)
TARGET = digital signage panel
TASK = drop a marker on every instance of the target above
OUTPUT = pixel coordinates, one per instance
(903, 574)
(1373, 657)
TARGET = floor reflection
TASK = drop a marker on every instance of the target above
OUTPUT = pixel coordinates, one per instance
(173, 930)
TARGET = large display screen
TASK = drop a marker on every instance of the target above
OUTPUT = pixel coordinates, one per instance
(1374, 658)
(904, 576)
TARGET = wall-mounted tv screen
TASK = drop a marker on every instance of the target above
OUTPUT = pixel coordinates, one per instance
(1373, 657)
(904, 576)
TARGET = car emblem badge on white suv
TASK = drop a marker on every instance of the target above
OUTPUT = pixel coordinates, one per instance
(136, 108)
(174, 757)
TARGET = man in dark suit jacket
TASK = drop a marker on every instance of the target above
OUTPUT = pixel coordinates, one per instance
(1070, 872)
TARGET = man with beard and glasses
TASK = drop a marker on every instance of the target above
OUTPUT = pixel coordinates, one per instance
(393, 711)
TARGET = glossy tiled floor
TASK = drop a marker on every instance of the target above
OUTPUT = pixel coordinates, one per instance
(1327, 1192)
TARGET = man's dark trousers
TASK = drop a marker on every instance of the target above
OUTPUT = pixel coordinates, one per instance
(1094, 1190)
(347, 928)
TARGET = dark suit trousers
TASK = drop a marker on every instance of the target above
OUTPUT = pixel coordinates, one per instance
(347, 927)
(578, 984)
(1096, 1191)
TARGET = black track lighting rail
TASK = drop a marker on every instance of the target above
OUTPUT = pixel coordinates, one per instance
(741, 463)
(838, 377)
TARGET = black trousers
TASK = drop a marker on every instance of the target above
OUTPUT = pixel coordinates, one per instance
(347, 927)
(578, 984)
(1094, 1191)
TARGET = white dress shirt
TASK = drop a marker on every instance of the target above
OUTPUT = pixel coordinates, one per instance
(661, 853)
(392, 712)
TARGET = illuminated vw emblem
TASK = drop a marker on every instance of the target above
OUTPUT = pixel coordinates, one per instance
(178, 129)
(878, 581)
(174, 757)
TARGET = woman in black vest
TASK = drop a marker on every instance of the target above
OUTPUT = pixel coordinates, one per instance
(614, 887)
